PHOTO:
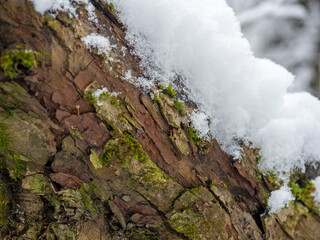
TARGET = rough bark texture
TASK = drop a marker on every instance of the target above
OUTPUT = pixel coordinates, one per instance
(129, 169)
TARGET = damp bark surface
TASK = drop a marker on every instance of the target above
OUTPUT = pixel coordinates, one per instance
(127, 169)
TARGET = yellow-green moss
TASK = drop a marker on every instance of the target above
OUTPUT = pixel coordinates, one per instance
(37, 184)
(139, 233)
(156, 98)
(302, 188)
(123, 149)
(95, 160)
(6, 151)
(168, 90)
(179, 106)
(13, 63)
(200, 142)
(90, 99)
(186, 222)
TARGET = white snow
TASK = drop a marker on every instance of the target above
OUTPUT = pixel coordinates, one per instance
(279, 199)
(43, 6)
(101, 43)
(316, 194)
(200, 121)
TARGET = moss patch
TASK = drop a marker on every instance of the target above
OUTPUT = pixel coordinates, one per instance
(17, 165)
(302, 188)
(197, 216)
(15, 62)
(168, 90)
(179, 106)
(36, 183)
(139, 233)
(123, 148)
(199, 142)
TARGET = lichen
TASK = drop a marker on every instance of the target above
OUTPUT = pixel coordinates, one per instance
(95, 160)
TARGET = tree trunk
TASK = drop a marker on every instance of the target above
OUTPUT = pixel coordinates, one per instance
(131, 168)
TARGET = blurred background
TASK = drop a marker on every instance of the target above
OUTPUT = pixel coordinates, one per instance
(287, 32)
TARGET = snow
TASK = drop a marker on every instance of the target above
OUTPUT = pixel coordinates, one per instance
(316, 194)
(279, 199)
(245, 97)
(101, 43)
(42, 6)
(200, 121)
(286, 32)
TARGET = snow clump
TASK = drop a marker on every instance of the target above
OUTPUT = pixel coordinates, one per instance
(279, 199)
(101, 43)
(245, 97)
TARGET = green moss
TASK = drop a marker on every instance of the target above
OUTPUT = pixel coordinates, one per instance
(156, 98)
(139, 233)
(114, 101)
(265, 195)
(273, 178)
(271, 175)
(179, 106)
(186, 222)
(169, 90)
(86, 191)
(136, 148)
(161, 86)
(302, 188)
(90, 99)
(122, 149)
(111, 7)
(6, 151)
(16, 61)
(200, 142)
(37, 184)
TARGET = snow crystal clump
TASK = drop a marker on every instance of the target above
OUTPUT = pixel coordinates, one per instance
(200, 122)
(139, 82)
(43, 6)
(244, 96)
(279, 199)
(101, 43)
(316, 194)
(96, 94)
